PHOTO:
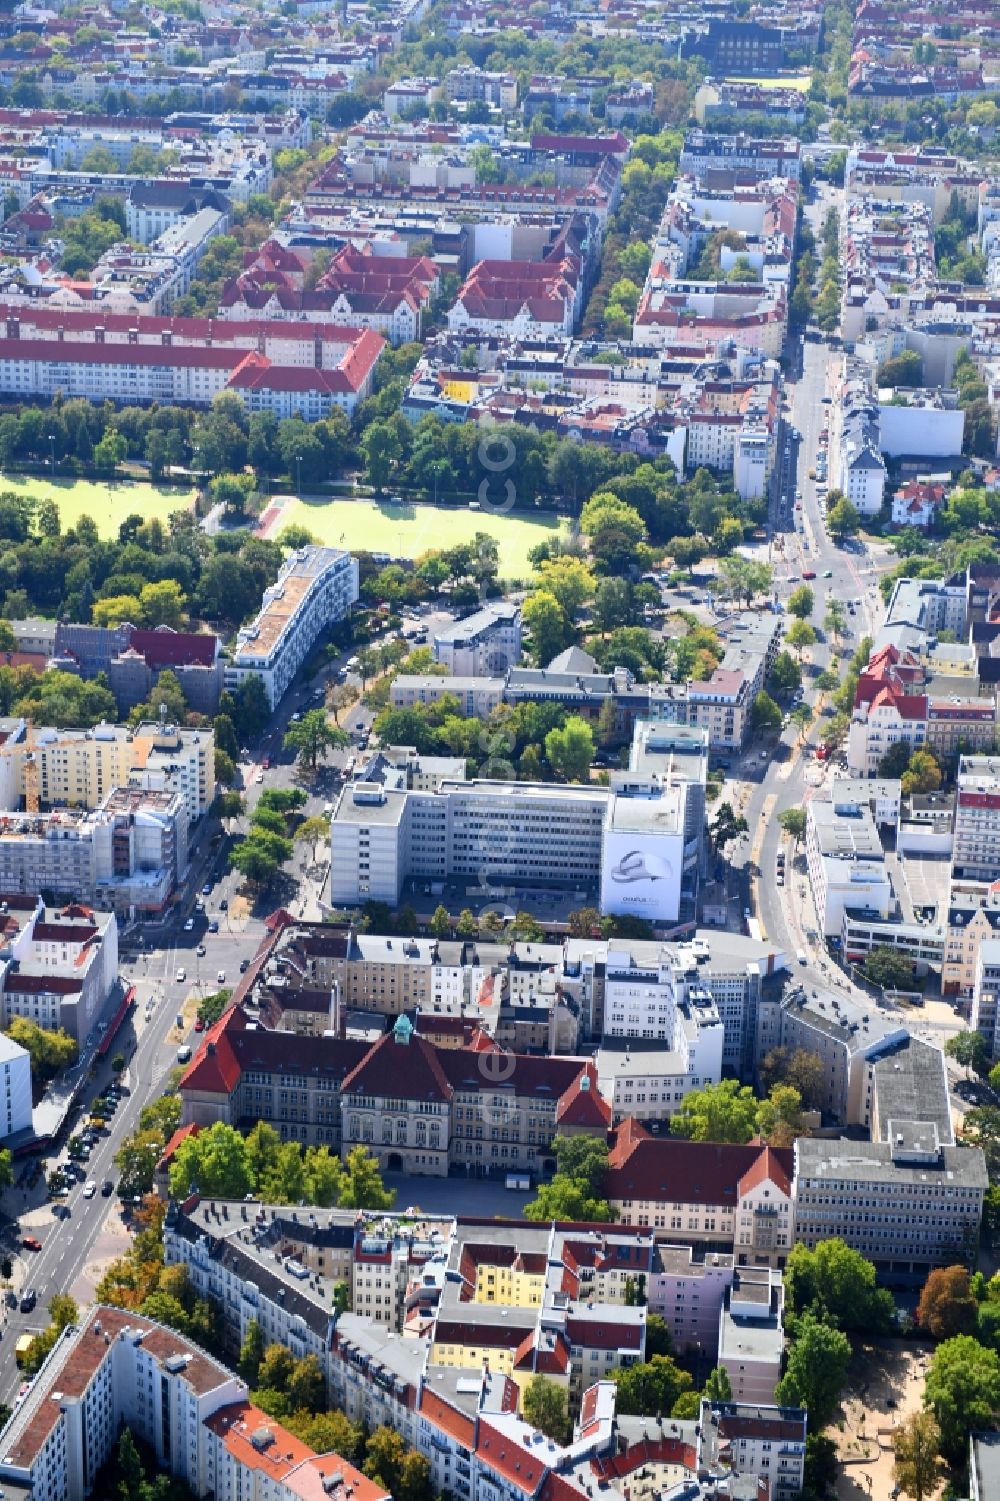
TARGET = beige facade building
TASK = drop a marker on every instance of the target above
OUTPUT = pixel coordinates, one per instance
(78, 768)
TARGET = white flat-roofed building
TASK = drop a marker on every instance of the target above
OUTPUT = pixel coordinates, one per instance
(485, 644)
(316, 587)
(511, 833)
(15, 1088)
(846, 863)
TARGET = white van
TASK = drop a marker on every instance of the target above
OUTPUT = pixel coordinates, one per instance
(184, 1053)
(800, 955)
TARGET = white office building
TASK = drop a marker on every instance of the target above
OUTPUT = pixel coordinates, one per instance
(316, 587)
(504, 834)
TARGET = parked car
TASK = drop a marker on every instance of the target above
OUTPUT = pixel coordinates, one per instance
(107, 1188)
(189, 925)
(206, 890)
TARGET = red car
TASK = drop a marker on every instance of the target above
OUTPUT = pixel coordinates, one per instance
(30, 1243)
(199, 1025)
(266, 763)
(808, 573)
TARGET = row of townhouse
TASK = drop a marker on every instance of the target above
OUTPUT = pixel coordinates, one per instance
(468, 1294)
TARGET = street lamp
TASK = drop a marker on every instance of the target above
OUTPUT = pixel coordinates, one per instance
(298, 472)
(52, 451)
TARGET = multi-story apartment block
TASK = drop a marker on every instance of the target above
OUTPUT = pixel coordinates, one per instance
(907, 1203)
(128, 853)
(704, 155)
(58, 969)
(119, 1368)
(316, 587)
(485, 644)
(976, 845)
(467, 83)
(751, 1333)
(844, 1034)
(115, 1368)
(743, 1438)
(79, 768)
(985, 1011)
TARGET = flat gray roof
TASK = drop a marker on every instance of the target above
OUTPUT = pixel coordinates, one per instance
(871, 1161)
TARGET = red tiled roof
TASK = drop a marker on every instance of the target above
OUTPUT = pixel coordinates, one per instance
(456, 1424)
(510, 1459)
(580, 1106)
(765, 1168)
(686, 1172)
(215, 1069)
(164, 647)
(408, 1071)
(19, 983)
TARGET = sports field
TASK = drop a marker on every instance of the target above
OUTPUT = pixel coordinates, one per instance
(107, 504)
(798, 81)
(407, 530)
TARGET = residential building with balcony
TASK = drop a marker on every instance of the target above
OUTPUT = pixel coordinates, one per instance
(315, 589)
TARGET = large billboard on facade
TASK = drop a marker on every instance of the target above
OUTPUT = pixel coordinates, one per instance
(641, 875)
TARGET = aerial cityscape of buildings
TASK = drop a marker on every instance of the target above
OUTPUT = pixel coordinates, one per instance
(499, 751)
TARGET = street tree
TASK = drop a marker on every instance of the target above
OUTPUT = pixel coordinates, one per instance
(962, 1390)
(947, 1304)
(793, 821)
(340, 696)
(786, 674)
(969, 1049)
(842, 518)
(727, 825)
(765, 714)
(799, 635)
(916, 1447)
(834, 618)
(816, 1370)
(801, 602)
(802, 718)
(744, 579)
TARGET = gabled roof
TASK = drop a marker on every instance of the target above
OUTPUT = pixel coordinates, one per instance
(406, 1071)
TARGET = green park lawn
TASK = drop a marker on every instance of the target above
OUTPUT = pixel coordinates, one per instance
(407, 530)
(107, 504)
